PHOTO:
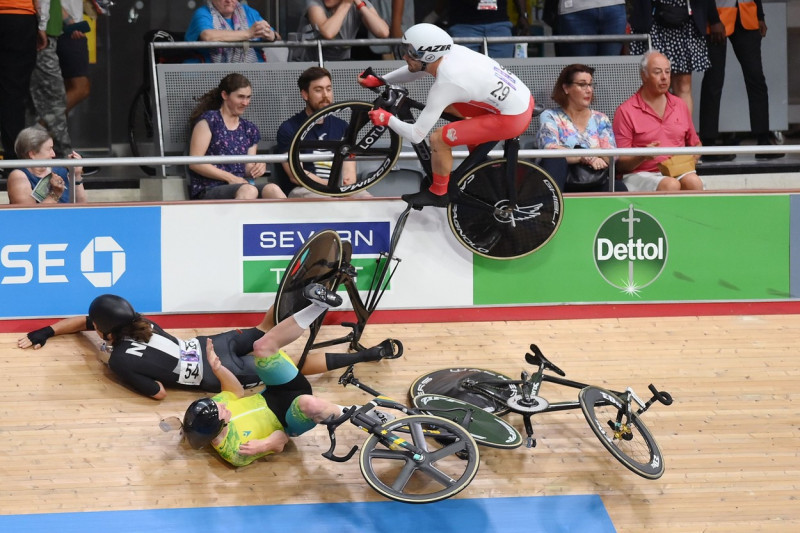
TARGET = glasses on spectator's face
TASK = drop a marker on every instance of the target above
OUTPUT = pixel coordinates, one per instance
(583, 84)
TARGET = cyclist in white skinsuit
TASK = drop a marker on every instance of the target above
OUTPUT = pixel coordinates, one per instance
(467, 83)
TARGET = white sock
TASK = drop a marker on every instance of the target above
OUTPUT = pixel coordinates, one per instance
(305, 317)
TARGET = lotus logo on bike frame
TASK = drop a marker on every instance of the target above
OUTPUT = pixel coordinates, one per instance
(630, 250)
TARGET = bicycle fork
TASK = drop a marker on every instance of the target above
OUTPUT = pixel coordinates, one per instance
(621, 427)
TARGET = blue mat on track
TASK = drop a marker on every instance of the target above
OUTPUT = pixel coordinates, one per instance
(542, 514)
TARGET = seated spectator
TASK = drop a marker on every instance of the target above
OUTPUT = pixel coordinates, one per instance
(316, 89)
(230, 21)
(654, 117)
(486, 18)
(336, 19)
(574, 124)
(219, 129)
(36, 143)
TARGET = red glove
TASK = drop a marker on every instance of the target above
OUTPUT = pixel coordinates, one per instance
(369, 81)
(380, 117)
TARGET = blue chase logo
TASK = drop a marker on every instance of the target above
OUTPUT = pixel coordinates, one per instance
(56, 260)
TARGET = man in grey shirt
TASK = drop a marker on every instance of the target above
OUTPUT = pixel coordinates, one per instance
(336, 19)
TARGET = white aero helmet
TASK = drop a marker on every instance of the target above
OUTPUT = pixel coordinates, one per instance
(426, 42)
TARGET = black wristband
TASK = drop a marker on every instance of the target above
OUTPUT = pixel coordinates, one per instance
(40, 336)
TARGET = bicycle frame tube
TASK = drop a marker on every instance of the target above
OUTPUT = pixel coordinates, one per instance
(553, 407)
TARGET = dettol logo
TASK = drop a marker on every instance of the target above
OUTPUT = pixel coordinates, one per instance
(630, 250)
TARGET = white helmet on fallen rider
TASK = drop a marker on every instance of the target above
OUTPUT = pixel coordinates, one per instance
(426, 42)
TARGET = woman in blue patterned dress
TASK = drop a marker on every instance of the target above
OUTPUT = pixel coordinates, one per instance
(574, 124)
(219, 129)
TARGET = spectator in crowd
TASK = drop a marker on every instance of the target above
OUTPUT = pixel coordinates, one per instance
(47, 92)
(243, 428)
(430, 12)
(21, 34)
(574, 124)
(400, 14)
(316, 89)
(219, 129)
(230, 21)
(336, 19)
(654, 117)
(589, 17)
(744, 25)
(73, 53)
(164, 360)
(486, 18)
(42, 185)
(677, 29)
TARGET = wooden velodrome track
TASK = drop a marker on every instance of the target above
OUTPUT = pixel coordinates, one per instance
(74, 439)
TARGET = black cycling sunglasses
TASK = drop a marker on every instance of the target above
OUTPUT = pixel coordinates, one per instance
(409, 50)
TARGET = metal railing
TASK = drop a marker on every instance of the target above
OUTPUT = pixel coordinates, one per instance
(319, 44)
(458, 154)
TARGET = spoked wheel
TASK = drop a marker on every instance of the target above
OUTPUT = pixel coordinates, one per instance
(345, 131)
(486, 428)
(450, 382)
(515, 230)
(317, 261)
(627, 438)
(141, 128)
(447, 464)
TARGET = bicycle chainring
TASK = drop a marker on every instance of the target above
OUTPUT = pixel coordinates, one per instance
(534, 404)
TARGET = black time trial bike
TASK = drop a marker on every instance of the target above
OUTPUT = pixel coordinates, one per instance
(326, 259)
(615, 417)
(426, 453)
(499, 208)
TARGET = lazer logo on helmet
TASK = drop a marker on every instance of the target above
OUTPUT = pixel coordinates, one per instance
(434, 48)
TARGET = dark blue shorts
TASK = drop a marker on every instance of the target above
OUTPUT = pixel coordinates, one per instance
(73, 56)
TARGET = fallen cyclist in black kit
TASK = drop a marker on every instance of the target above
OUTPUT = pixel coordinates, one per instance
(146, 358)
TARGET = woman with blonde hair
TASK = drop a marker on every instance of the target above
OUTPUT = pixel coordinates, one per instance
(42, 185)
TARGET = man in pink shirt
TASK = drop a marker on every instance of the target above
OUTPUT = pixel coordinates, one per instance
(654, 117)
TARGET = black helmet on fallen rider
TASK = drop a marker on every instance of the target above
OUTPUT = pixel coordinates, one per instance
(426, 42)
(109, 312)
(201, 422)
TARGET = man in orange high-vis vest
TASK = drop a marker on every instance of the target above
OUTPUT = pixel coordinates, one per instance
(745, 28)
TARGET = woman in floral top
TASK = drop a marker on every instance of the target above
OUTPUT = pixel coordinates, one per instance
(574, 124)
(219, 129)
